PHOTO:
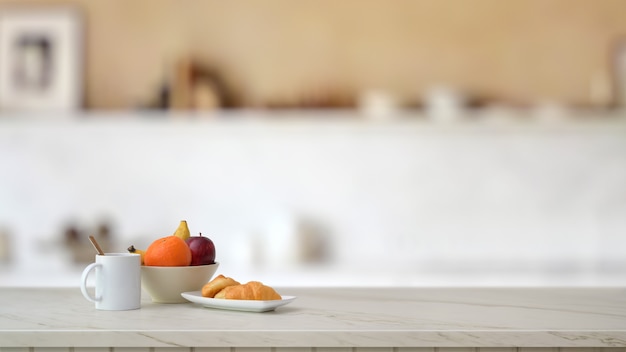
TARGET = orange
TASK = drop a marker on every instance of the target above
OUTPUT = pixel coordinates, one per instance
(168, 251)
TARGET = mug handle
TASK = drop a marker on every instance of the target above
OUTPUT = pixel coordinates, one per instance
(83, 286)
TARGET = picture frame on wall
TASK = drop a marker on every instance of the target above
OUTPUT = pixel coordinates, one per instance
(619, 73)
(40, 59)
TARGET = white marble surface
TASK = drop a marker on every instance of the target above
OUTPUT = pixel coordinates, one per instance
(329, 317)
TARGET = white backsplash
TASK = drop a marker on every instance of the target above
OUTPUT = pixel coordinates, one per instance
(397, 201)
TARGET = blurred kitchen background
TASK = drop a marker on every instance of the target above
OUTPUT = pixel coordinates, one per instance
(375, 142)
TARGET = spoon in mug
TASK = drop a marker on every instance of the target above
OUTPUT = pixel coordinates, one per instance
(96, 245)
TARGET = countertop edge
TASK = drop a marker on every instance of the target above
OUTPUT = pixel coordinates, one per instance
(318, 338)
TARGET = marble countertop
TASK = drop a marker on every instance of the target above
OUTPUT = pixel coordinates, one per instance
(328, 317)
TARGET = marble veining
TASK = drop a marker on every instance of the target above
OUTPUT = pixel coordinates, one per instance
(328, 318)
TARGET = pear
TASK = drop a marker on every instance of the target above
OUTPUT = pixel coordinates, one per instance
(182, 231)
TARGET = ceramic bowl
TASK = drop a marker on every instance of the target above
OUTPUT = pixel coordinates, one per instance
(164, 284)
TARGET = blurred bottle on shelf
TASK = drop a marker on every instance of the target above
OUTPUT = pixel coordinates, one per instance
(197, 87)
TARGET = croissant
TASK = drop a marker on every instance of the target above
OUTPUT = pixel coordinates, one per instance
(252, 290)
(216, 285)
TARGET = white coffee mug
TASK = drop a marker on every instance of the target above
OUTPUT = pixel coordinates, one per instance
(118, 281)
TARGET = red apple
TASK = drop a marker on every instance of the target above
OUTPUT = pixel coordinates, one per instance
(202, 250)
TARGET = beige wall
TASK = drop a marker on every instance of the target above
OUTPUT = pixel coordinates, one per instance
(513, 50)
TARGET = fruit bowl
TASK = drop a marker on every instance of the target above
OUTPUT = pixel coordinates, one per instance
(164, 284)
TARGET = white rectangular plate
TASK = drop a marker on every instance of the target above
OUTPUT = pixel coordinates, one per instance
(236, 304)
